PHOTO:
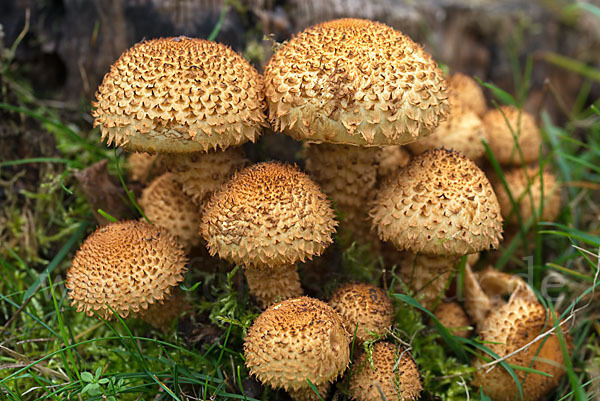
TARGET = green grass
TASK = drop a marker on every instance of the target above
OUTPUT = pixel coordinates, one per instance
(49, 351)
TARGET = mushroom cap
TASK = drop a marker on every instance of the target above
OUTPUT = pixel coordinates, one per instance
(364, 305)
(143, 167)
(356, 82)
(453, 317)
(165, 204)
(517, 180)
(403, 383)
(200, 174)
(268, 215)
(126, 265)
(462, 132)
(500, 136)
(179, 95)
(297, 339)
(505, 330)
(440, 204)
(464, 92)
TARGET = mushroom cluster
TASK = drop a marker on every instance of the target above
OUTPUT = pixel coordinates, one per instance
(389, 141)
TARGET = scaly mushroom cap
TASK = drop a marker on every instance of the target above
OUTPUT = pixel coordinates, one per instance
(462, 132)
(267, 215)
(440, 204)
(179, 95)
(126, 265)
(165, 205)
(297, 339)
(402, 383)
(200, 174)
(143, 167)
(507, 329)
(530, 200)
(364, 305)
(454, 318)
(465, 92)
(356, 82)
(392, 159)
(500, 135)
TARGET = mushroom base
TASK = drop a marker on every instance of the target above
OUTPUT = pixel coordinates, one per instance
(273, 284)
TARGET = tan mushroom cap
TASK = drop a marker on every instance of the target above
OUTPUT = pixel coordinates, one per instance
(466, 93)
(440, 204)
(454, 318)
(126, 265)
(165, 205)
(267, 215)
(297, 339)
(528, 197)
(180, 95)
(501, 140)
(462, 132)
(364, 308)
(200, 174)
(402, 383)
(356, 82)
(507, 329)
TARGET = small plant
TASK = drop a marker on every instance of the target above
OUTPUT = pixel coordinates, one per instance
(97, 385)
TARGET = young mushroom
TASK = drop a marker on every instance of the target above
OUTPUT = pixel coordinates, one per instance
(268, 217)
(353, 82)
(125, 266)
(297, 340)
(393, 375)
(365, 309)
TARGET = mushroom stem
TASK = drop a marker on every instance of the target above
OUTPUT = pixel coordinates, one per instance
(271, 284)
(347, 174)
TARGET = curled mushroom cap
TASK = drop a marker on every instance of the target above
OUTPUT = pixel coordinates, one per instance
(466, 93)
(501, 136)
(165, 205)
(126, 265)
(294, 340)
(440, 204)
(180, 95)
(357, 82)
(364, 308)
(528, 196)
(394, 373)
(268, 214)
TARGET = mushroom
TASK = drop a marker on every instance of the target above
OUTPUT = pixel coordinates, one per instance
(143, 167)
(365, 309)
(161, 314)
(182, 95)
(125, 266)
(517, 328)
(452, 316)
(268, 217)
(297, 340)
(441, 204)
(508, 127)
(353, 82)
(392, 375)
(466, 93)
(165, 205)
(526, 188)
(391, 159)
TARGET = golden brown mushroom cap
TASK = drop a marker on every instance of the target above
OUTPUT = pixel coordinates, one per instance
(355, 82)
(402, 383)
(453, 317)
(125, 265)
(466, 93)
(440, 204)
(507, 329)
(294, 340)
(267, 215)
(530, 200)
(501, 140)
(165, 205)
(364, 305)
(180, 95)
